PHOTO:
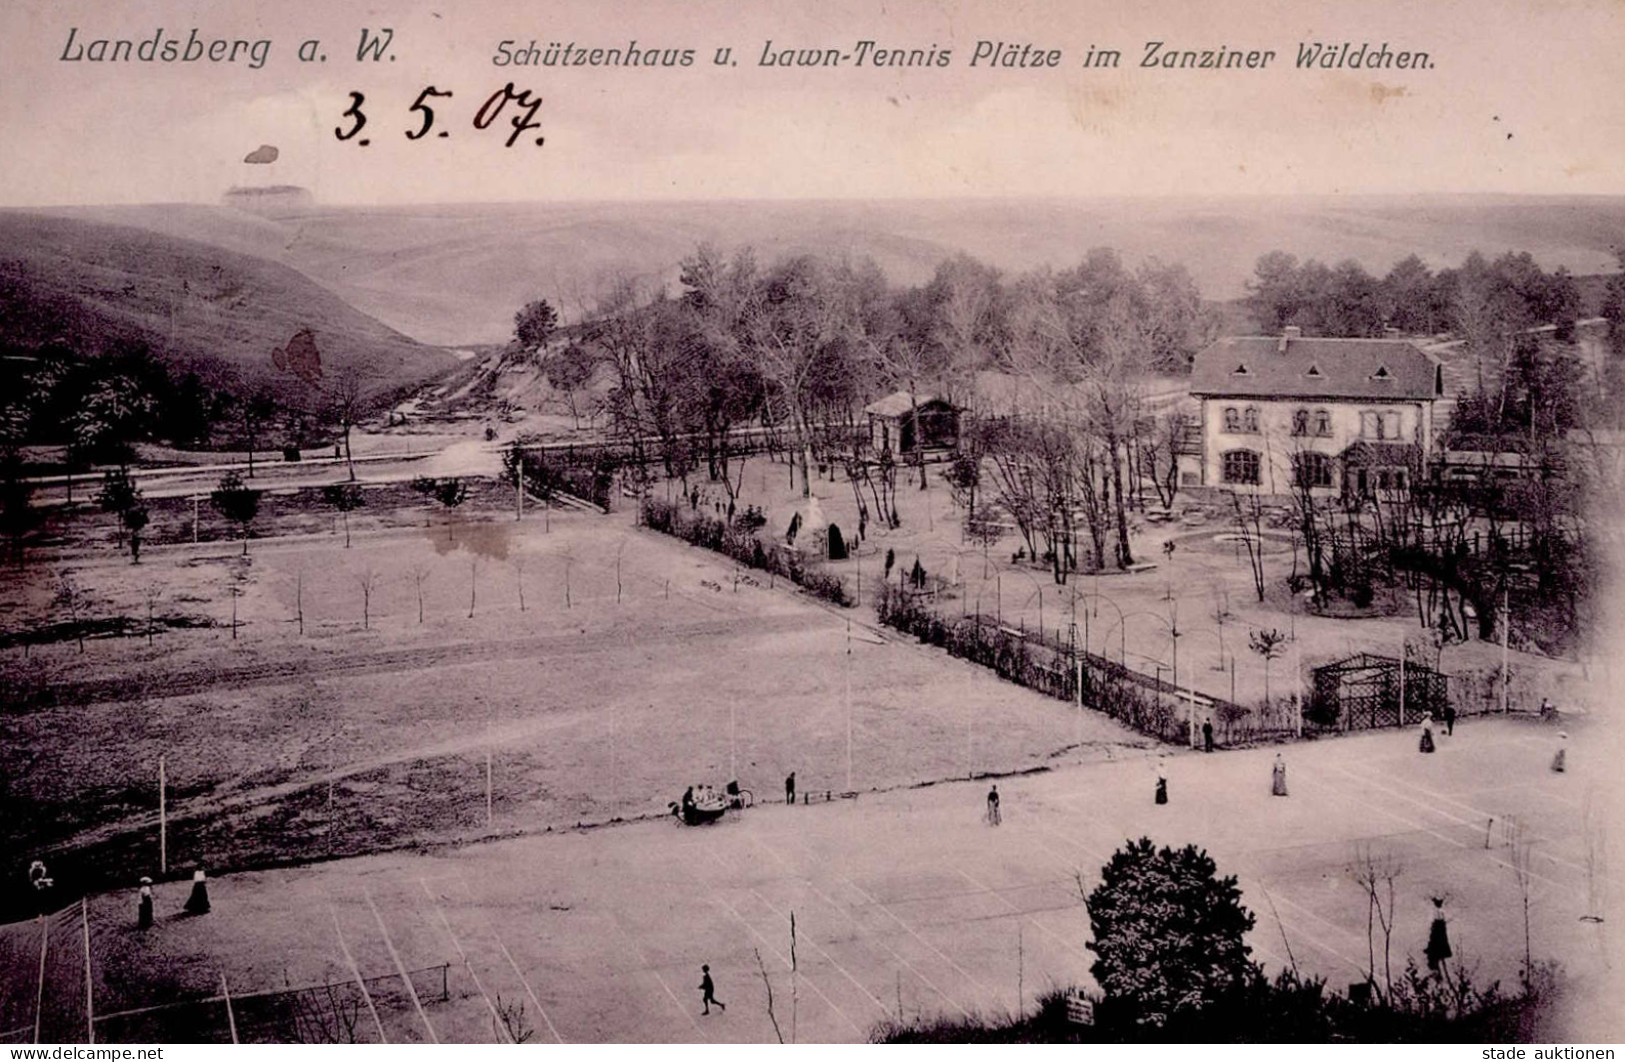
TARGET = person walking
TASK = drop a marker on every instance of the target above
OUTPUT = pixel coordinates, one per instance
(143, 910)
(1560, 761)
(1207, 735)
(1278, 777)
(1449, 719)
(708, 991)
(790, 788)
(993, 806)
(1162, 790)
(1438, 949)
(1426, 744)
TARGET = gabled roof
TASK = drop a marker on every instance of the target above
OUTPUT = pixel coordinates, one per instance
(1292, 366)
(900, 404)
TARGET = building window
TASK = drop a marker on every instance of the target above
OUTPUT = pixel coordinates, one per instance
(1312, 470)
(1240, 466)
(1323, 423)
(1380, 426)
(1232, 419)
(1390, 479)
(1249, 419)
(1300, 422)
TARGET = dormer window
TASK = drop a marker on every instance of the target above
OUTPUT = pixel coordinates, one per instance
(1314, 372)
(1239, 370)
(1382, 373)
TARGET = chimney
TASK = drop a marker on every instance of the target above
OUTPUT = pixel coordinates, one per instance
(1289, 333)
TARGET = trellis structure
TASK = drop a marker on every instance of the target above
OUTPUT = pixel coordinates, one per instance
(1366, 691)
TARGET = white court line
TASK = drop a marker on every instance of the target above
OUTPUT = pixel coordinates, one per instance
(506, 954)
(731, 909)
(356, 972)
(400, 967)
(497, 1023)
(1327, 948)
(1460, 844)
(827, 956)
(996, 894)
(1481, 812)
(910, 929)
(647, 965)
(845, 913)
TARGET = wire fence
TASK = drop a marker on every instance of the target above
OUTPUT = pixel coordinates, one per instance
(49, 995)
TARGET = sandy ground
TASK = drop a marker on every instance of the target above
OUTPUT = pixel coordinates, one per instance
(904, 902)
(635, 666)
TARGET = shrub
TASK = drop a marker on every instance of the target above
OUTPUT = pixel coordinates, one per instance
(837, 544)
(1168, 935)
(720, 536)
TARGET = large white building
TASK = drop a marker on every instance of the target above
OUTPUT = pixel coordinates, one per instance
(1342, 415)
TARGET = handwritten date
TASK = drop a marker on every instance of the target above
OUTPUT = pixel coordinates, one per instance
(518, 106)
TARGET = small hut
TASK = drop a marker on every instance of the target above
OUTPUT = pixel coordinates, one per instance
(892, 423)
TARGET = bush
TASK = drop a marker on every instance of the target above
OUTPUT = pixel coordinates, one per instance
(837, 544)
(720, 536)
(1168, 935)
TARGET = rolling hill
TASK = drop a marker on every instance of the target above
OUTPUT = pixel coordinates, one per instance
(199, 307)
(456, 273)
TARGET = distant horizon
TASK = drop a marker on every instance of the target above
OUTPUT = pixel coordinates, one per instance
(1138, 197)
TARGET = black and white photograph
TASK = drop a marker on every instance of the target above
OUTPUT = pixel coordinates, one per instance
(759, 523)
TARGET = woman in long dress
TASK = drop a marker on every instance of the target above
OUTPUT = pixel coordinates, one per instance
(1560, 761)
(1438, 949)
(1278, 777)
(1426, 744)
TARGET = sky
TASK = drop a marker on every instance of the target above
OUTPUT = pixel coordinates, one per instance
(1521, 98)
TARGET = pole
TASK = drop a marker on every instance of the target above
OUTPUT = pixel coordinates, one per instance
(231, 1019)
(488, 788)
(194, 519)
(1506, 626)
(39, 995)
(733, 748)
(1402, 682)
(90, 1011)
(1297, 679)
(849, 788)
(163, 822)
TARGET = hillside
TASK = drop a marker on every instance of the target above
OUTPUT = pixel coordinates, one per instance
(199, 307)
(456, 273)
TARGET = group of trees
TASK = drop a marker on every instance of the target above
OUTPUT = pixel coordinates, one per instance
(797, 348)
(98, 405)
(1502, 295)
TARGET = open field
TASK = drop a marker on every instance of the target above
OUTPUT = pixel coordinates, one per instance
(904, 901)
(631, 667)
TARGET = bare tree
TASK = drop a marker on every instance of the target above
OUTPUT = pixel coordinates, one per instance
(345, 497)
(151, 593)
(514, 1025)
(1520, 852)
(420, 572)
(1249, 520)
(1268, 643)
(367, 580)
(71, 599)
(1375, 871)
(345, 406)
(517, 563)
(768, 984)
